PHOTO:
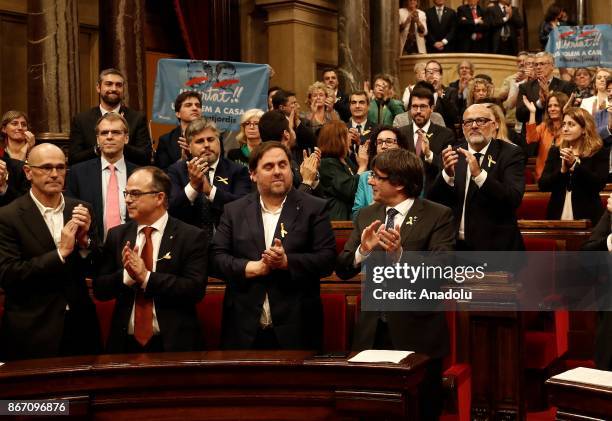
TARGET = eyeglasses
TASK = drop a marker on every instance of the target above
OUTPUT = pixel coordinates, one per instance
(433, 71)
(541, 63)
(376, 177)
(480, 121)
(113, 133)
(251, 124)
(136, 194)
(422, 107)
(388, 141)
(48, 168)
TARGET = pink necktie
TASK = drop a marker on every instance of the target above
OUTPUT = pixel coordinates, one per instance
(112, 215)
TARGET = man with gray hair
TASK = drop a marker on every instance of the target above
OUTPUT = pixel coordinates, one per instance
(204, 182)
(83, 145)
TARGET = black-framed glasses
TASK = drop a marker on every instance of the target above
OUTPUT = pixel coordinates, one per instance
(421, 107)
(113, 133)
(376, 177)
(480, 121)
(388, 141)
(48, 168)
(137, 194)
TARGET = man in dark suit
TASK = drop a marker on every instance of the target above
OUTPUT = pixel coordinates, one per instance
(493, 171)
(101, 181)
(359, 126)
(396, 183)
(441, 26)
(341, 100)
(187, 107)
(601, 240)
(445, 98)
(286, 102)
(426, 139)
(44, 258)
(13, 182)
(473, 26)
(83, 145)
(505, 22)
(154, 266)
(271, 248)
(206, 181)
(537, 90)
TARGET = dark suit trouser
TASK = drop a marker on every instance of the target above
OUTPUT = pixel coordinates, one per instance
(79, 337)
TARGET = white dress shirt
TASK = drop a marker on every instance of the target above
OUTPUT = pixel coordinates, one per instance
(54, 219)
(192, 193)
(121, 172)
(156, 237)
(115, 110)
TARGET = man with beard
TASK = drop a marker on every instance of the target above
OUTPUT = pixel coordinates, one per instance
(271, 248)
(172, 145)
(483, 182)
(83, 145)
(425, 138)
(204, 182)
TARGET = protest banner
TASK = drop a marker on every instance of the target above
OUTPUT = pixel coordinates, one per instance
(581, 46)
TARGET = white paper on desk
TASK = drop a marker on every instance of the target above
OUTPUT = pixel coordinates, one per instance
(380, 356)
(587, 376)
(1, 364)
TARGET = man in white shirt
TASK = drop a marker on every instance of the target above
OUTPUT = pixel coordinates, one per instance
(155, 267)
(44, 258)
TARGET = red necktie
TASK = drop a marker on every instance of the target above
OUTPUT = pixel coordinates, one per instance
(143, 312)
(474, 13)
(112, 215)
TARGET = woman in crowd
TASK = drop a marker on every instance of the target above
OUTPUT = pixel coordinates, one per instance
(583, 78)
(576, 170)
(479, 89)
(338, 175)
(382, 138)
(16, 139)
(248, 138)
(599, 101)
(503, 133)
(321, 104)
(413, 28)
(551, 21)
(548, 132)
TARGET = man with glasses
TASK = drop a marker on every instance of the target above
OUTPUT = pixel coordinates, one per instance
(445, 98)
(172, 145)
(155, 267)
(83, 144)
(100, 181)
(388, 226)
(205, 181)
(45, 241)
(483, 181)
(537, 90)
(510, 86)
(425, 138)
(383, 107)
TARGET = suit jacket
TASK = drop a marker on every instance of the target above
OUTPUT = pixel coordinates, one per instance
(17, 182)
(531, 89)
(439, 138)
(490, 211)
(342, 106)
(447, 107)
(603, 336)
(495, 16)
(439, 30)
(585, 182)
(168, 150)
(176, 286)
(422, 331)
(83, 136)
(85, 183)
(38, 287)
(232, 182)
(294, 294)
(467, 28)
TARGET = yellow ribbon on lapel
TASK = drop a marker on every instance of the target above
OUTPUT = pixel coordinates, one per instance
(490, 160)
(283, 232)
(224, 180)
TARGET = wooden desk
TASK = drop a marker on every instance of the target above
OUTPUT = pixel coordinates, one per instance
(576, 401)
(219, 385)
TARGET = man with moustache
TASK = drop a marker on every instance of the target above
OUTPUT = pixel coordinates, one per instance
(83, 145)
(206, 181)
(45, 241)
(426, 139)
(271, 248)
(483, 182)
(155, 267)
(172, 145)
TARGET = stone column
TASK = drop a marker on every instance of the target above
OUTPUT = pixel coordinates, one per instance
(353, 43)
(385, 38)
(53, 73)
(122, 46)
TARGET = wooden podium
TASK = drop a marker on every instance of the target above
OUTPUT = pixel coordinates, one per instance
(579, 401)
(219, 385)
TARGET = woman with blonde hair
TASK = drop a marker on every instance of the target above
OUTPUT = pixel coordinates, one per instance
(15, 138)
(479, 89)
(548, 132)
(599, 101)
(248, 138)
(321, 104)
(339, 176)
(576, 170)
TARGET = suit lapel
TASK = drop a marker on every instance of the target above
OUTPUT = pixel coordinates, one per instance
(460, 174)
(222, 179)
(409, 132)
(290, 212)
(254, 222)
(167, 245)
(490, 158)
(35, 223)
(96, 185)
(411, 221)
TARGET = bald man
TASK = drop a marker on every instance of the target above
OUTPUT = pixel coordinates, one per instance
(45, 242)
(492, 171)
